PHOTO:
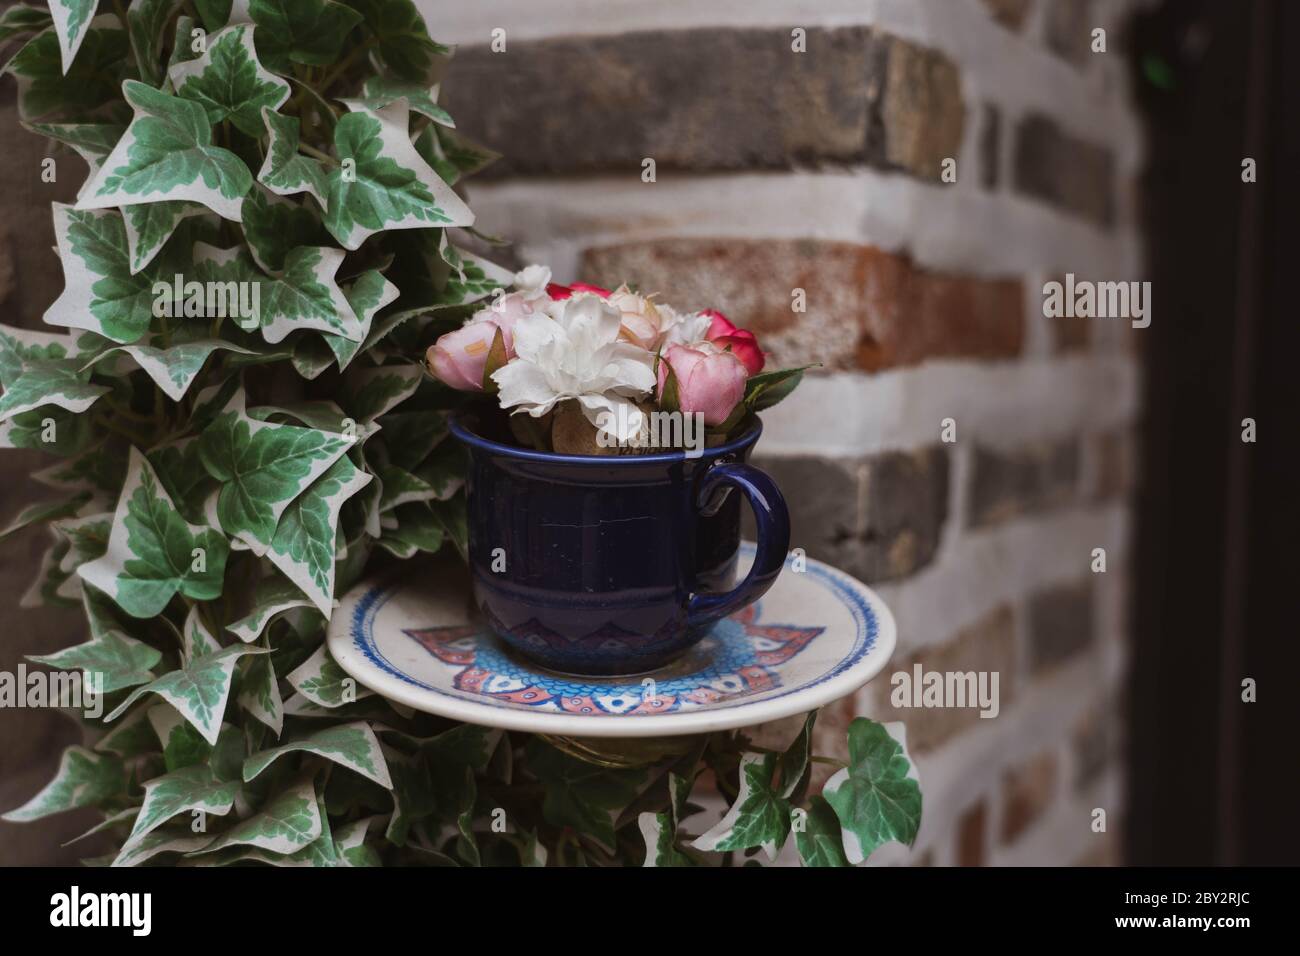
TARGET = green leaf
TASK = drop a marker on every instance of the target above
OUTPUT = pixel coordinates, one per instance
(289, 822)
(876, 797)
(167, 154)
(374, 391)
(818, 839)
(91, 141)
(197, 640)
(174, 368)
(323, 682)
(404, 42)
(369, 293)
(84, 778)
(71, 20)
(182, 474)
(274, 226)
(39, 369)
(759, 817)
(229, 82)
(149, 226)
(305, 539)
(145, 20)
(581, 795)
(351, 745)
(198, 690)
(22, 18)
(660, 835)
(310, 32)
(191, 789)
(119, 660)
(285, 171)
(271, 598)
(40, 512)
(417, 530)
(304, 297)
(153, 552)
(767, 388)
(100, 293)
(263, 468)
(380, 91)
(794, 762)
(91, 82)
(164, 840)
(451, 154)
(382, 183)
(260, 693)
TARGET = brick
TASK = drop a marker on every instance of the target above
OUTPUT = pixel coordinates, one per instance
(1009, 13)
(1068, 31)
(866, 309)
(1024, 481)
(990, 145)
(1027, 791)
(1112, 466)
(709, 100)
(987, 645)
(1060, 169)
(1060, 622)
(878, 518)
(970, 835)
(1090, 743)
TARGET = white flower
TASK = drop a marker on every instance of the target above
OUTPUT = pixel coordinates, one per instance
(640, 317)
(532, 281)
(682, 328)
(578, 355)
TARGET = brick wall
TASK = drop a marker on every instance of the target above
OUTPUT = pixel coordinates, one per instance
(823, 171)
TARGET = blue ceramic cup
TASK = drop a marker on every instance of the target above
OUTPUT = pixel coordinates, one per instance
(613, 565)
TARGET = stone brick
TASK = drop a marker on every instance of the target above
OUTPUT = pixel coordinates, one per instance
(1060, 624)
(1027, 791)
(708, 100)
(1052, 166)
(1010, 13)
(990, 148)
(988, 645)
(970, 835)
(879, 518)
(1069, 29)
(865, 308)
(1024, 481)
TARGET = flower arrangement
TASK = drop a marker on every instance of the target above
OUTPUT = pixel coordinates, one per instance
(594, 371)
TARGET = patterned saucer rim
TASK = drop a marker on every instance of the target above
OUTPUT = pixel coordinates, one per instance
(839, 680)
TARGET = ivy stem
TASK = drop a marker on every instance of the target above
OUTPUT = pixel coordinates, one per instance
(318, 153)
(830, 761)
(344, 65)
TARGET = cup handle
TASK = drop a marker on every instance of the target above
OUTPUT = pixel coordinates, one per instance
(773, 520)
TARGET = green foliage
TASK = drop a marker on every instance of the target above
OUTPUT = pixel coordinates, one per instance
(221, 476)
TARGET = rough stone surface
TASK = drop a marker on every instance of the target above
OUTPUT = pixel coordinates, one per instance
(1057, 168)
(865, 308)
(710, 99)
(1027, 791)
(1010, 13)
(1060, 624)
(1028, 480)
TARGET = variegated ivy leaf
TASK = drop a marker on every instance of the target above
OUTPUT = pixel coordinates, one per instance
(374, 391)
(794, 762)
(367, 294)
(42, 511)
(184, 747)
(262, 469)
(274, 226)
(304, 297)
(149, 226)
(198, 690)
(39, 369)
(404, 42)
(759, 817)
(401, 487)
(229, 82)
(350, 745)
(71, 20)
(259, 694)
(165, 840)
(198, 640)
(285, 171)
(153, 552)
(380, 91)
(130, 737)
(167, 154)
(87, 538)
(818, 839)
(451, 154)
(181, 471)
(272, 597)
(174, 368)
(145, 20)
(182, 791)
(304, 544)
(479, 279)
(91, 141)
(382, 183)
(99, 470)
(409, 437)
(22, 18)
(287, 823)
(100, 292)
(320, 680)
(310, 32)
(91, 82)
(119, 660)
(417, 530)
(215, 14)
(876, 797)
(84, 778)
(581, 795)
(660, 835)
(324, 851)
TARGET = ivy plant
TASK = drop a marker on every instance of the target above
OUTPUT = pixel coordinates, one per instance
(239, 428)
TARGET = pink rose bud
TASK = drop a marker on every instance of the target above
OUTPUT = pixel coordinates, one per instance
(709, 380)
(740, 342)
(459, 357)
(558, 292)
